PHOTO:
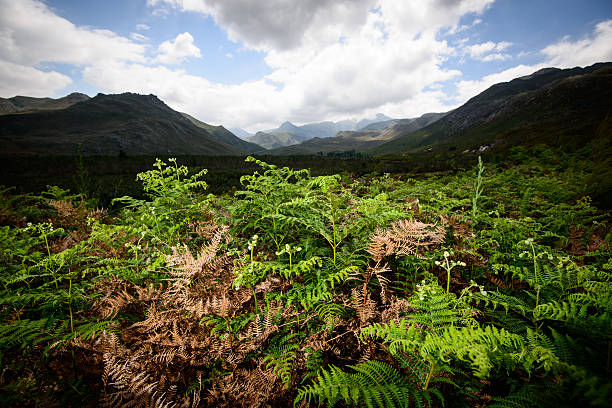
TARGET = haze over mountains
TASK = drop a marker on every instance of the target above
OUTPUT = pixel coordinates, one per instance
(368, 137)
(552, 106)
(289, 134)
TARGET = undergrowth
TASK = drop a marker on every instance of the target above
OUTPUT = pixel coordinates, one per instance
(491, 287)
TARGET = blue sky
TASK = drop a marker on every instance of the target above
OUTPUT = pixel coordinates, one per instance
(255, 64)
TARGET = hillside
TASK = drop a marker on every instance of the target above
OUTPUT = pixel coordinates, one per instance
(27, 104)
(552, 106)
(241, 133)
(226, 136)
(110, 125)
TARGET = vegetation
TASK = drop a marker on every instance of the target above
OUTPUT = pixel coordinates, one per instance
(488, 287)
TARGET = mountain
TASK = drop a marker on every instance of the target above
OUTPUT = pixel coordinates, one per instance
(289, 134)
(366, 122)
(379, 125)
(372, 135)
(241, 133)
(224, 135)
(273, 140)
(111, 125)
(28, 104)
(560, 107)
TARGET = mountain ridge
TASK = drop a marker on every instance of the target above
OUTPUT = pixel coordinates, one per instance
(116, 124)
(289, 134)
(28, 104)
(505, 108)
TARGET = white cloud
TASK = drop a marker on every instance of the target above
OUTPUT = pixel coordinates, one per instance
(562, 54)
(142, 27)
(174, 52)
(595, 48)
(254, 104)
(339, 59)
(495, 57)
(23, 80)
(467, 89)
(30, 33)
(277, 24)
(379, 64)
(330, 59)
(487, 51)
(139, 37)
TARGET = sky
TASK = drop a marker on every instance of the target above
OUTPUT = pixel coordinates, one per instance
(254, 64)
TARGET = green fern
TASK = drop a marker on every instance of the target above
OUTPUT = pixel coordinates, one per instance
(281, 355)
(373, 384)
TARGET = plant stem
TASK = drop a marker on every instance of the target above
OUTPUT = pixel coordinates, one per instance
(429, 375)
(49, 257)
(70, 305)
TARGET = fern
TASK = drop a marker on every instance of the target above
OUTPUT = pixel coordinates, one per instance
(281, 355)
(373, 384)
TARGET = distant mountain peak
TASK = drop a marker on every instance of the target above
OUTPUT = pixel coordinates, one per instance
(287, 126)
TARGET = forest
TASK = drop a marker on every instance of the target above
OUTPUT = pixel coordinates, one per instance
(484, 287)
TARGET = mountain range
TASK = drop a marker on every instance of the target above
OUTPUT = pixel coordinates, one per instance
(109, 125)
(559, 107)
(368, 137)
(289, 134)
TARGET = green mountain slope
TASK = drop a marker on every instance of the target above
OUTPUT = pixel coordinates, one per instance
(225, 136)
(128, 124)
(552, 106)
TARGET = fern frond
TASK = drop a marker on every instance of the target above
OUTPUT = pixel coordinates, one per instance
(373, 384)
(281, 356)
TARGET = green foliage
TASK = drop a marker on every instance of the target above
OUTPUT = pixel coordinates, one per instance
(513, 308)
(373, 384)
(280, 355)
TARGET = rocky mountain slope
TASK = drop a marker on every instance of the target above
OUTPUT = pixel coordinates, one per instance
(552, 106)
(225, 135)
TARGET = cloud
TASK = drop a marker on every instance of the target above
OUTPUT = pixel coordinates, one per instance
(23, 80)
(485, 51)
(252, 104)
(594, 48)
(139, 37)
(30, 33)
(562, 54)
(467, 89)
(277, 24)
(142, 27)
(174, 52)
(378, 65)
(328, 59)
